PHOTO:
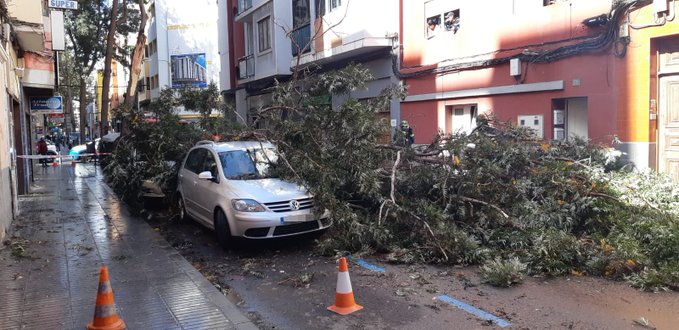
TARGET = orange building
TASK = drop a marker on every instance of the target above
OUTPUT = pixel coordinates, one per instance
(602, 71)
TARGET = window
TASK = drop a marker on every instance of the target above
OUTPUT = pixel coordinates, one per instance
(301, 29)
(248, 164)
(300, 13)
(439, 17)
(334, 4)
(249, 39)
(320, 8)
(154, 82)
(551, 2)
(194, 162)
(151, 48)
(148, 83)
(433, 25)
(264, 33)
(210, 165)
(461, 119)
(451, 20)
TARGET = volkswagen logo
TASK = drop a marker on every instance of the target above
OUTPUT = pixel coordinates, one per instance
(294, 205)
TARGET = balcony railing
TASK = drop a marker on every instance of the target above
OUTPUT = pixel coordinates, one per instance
(246, 67)
(244, 5)
(300, 38)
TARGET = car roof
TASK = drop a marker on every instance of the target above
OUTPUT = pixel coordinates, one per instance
(235, 145)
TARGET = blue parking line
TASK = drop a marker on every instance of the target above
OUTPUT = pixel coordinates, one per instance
(369, 266)
(473, 310)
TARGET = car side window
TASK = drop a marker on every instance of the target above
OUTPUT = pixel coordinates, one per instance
(195, 160)
(210, 165)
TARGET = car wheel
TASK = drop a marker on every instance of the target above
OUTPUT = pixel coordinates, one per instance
(181, 209)
(222, 229)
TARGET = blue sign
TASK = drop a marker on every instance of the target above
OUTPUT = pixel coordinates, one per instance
(189, 70)
(46, 104)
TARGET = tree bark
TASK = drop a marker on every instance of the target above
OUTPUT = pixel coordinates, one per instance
(137, 57)
(83, 109)
(110, 48)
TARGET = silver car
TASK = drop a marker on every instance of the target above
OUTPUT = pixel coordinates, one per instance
(227, 187)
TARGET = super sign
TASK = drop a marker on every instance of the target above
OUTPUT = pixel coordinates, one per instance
(63, 4)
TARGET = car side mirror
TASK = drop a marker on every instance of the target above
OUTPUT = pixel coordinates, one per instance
(207, 175)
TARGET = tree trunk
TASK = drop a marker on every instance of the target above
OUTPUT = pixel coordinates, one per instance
(83, 109)
(137, 57)
(110, 48)
(69, 118)
(135, 66)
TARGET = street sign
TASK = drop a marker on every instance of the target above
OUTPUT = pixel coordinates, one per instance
(63, 4)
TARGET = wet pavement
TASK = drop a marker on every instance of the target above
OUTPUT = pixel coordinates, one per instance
(69, 226)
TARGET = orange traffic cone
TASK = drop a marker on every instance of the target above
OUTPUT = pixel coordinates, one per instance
(344, 296)
(55, 164)
(105, 315)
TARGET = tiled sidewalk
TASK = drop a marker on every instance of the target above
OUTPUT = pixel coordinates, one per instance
(67, 228)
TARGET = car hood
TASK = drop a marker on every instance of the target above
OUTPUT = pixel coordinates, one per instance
(268, 190)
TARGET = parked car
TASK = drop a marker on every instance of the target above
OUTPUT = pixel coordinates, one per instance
(51, 150)
(228, 187)
(77, 150)
(155, 192)
(87, 148)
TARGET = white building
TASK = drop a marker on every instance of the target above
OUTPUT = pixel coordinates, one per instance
(181, 47)
(262, 40)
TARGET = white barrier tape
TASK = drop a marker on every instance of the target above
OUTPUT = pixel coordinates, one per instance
(61, 156)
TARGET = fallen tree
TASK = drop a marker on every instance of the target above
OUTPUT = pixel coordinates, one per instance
(558, 207)
(495, 197)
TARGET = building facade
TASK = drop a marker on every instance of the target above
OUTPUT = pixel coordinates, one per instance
(26, 71)
(181, 48)
(264, 41)
(593, 69)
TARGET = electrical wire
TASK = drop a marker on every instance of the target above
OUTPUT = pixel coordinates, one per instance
(659, 21)
(570, 47)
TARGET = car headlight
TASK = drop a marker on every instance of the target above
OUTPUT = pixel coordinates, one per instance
(247, 205)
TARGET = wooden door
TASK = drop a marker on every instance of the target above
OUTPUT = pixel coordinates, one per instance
(668, 114)
(668, 126)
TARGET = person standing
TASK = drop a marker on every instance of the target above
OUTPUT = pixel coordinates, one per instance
(42, 150)
(405, 136)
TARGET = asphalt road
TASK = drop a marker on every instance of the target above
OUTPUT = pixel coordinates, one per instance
(286, 285)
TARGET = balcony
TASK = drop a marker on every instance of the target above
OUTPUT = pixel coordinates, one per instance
(244, 5)
(246, 67)
(300, 38)
(27, 22)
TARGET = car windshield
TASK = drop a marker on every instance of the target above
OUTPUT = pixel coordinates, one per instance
(248, 164)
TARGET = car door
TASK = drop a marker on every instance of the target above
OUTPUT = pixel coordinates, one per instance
(188, 178)
(207, 191)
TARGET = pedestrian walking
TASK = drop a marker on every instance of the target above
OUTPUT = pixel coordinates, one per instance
(42, 150)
